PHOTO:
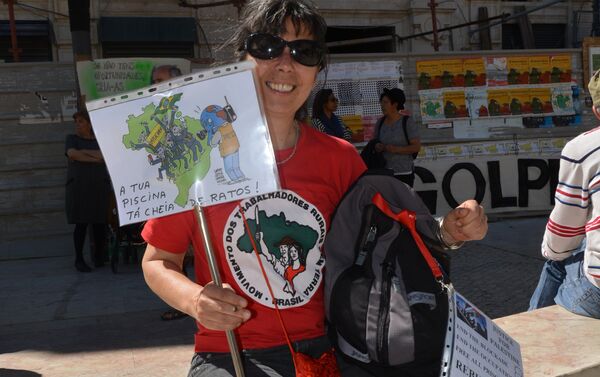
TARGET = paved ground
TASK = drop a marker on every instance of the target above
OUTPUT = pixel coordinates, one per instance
(57, 322)
(499, 273)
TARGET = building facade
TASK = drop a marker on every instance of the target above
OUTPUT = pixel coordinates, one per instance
(167, 28)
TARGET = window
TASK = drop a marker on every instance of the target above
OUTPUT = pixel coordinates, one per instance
(33, 39)
(147, 36)
(341, 33)
(545, 36)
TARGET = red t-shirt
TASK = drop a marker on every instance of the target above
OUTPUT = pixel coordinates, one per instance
(313, 182)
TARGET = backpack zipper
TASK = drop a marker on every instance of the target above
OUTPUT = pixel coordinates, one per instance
(367, 247)
(384, 313)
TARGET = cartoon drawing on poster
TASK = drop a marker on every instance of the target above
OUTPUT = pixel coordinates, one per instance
(185, 146)
(218, 123)
(172, 143)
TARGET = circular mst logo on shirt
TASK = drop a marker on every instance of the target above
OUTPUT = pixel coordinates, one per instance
(288, 233)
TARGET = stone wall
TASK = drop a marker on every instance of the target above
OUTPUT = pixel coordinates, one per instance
(36, 104)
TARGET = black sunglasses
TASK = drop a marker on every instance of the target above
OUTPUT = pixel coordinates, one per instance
(267, 46)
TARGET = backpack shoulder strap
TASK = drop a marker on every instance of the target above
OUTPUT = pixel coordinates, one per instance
(378, 126)
(404, 125)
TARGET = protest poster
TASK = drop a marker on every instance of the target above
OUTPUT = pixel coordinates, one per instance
(518, 70)
(541, 100)
(519, 101)
(479, 347)
(432, 105)
(539, 69)
(477, 102)
(474, 71)
(498, 102)
(108, 77)
(453, 73)
(496, 71)
(199, 139)
(562, 100)
(455, 105)
(561, 68)
(429, 73)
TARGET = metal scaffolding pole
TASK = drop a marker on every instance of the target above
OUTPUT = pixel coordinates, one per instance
(13, 31)
(436, 44)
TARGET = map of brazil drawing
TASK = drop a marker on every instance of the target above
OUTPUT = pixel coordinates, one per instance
(198, 139)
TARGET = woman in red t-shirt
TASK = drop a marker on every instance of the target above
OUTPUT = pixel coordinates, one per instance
(286, 39)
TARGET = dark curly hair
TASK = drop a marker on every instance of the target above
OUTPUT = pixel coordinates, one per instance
(82, 114)
(320, 100)
(269, 16)
(396, 95)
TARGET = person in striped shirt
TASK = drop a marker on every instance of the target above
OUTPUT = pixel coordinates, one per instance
(571, 276)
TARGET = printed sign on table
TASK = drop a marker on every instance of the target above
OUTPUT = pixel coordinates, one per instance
(480, 347)
(194, 141)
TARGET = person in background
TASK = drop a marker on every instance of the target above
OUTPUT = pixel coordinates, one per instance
(162, 73)
(286, 40)
(87, 190)
(398, 135)
(323, 117)
(571, 243)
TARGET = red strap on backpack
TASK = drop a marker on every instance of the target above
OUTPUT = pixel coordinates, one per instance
(408, 219)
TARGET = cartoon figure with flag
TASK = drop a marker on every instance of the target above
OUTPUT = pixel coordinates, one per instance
(217, 121)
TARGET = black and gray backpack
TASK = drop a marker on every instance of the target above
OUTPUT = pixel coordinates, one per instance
(384, 284)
